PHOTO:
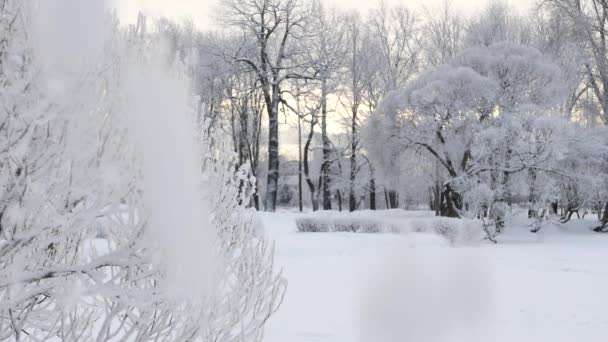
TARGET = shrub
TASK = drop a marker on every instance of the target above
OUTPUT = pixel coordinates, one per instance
(341, 224)
(455, 231)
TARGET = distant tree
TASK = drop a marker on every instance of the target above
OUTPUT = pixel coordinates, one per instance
(352, 96)
(443, 33)
(395, 35)
(326, 54)
(588, 20)
(269, 33)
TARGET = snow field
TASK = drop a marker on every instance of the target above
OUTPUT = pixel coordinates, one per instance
(346, 287)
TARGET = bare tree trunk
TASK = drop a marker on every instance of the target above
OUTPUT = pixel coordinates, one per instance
(393, 199)
(354, 71)
(603, 228)
(372, 193)
(243, 152)
(453, 203)
(387, 203)
(300, 163)
(325, 182)
(272, 183)
(255, 158)
(256, 197)
(437, 194)
(508, 196)
(352, 200)
(311, 186)
(554, 207)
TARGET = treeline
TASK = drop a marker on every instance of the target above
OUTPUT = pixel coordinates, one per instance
(398, 107)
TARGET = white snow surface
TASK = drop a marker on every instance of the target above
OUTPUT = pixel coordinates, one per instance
(347, 287)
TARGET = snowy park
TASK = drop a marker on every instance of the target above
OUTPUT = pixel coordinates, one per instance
(419, 287)
(303, 170)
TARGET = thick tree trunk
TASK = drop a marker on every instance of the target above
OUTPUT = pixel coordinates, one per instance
(352, 199)
(603, 228)
(372, 194)
(437, 199)
(393, 199)
(453, 203)
(554, 207)
(273, 161)
(386, 203)
(272, 183)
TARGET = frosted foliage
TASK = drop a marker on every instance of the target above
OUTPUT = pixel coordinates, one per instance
(106, 232)
(484, 118)
(526, 79)
(68, 52)
(452, 87)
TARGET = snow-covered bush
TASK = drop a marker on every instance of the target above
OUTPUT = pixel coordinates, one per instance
(341, 224)
(88, 238)
(313, 225)
(455, 231)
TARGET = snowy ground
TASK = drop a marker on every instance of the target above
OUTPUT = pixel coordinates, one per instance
(346, 287)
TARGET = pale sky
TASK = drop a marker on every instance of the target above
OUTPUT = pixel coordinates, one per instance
(199, 10)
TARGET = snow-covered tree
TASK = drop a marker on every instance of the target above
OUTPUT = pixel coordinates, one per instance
(325, 54)
(266, 31)
(89, 239)
(352, 96)
(587, 20)
(469, 115)
(495, 23)
(443, 31)
(395, 36)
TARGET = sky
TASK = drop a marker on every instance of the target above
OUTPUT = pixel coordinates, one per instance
(200, 11)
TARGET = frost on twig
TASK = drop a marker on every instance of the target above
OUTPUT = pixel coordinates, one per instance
(76, 259)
